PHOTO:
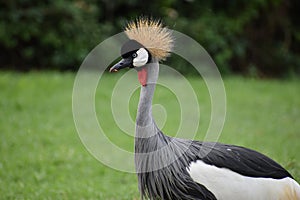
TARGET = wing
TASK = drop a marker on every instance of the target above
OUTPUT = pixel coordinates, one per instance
(244, 161)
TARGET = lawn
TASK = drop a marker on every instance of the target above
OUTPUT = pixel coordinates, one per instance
(42, 157)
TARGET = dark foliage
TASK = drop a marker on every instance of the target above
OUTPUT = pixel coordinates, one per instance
(257, 38)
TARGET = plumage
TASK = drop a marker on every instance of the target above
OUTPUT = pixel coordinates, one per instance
(173, 168)
(152, 35)
(245, 163)
(226, 184)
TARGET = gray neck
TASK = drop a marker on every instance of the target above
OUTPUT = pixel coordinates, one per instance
(145, 125)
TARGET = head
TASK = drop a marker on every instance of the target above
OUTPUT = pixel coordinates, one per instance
(134, 55)
(149, 42)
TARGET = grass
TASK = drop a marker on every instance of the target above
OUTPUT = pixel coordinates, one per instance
(42, 157)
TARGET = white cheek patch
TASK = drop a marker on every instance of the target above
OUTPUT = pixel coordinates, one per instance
(141, 59)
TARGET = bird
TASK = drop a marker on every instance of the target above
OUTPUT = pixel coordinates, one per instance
(171, 168)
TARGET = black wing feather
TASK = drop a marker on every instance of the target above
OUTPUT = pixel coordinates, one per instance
(242, 160)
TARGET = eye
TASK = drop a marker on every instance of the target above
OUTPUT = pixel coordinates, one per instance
(134, 55)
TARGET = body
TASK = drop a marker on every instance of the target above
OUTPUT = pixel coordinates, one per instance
(174, 168)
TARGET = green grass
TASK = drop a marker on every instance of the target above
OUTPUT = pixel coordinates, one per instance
(42, 157)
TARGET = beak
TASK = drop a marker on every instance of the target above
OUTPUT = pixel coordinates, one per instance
(125, 62)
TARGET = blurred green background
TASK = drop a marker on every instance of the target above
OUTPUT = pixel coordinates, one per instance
(258, 38)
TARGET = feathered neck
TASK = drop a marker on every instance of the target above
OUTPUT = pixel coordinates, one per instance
(145, 123)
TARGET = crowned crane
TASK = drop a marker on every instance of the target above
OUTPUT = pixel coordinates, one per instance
(173, 168)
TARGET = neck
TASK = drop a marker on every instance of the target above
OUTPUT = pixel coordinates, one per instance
(145, 125)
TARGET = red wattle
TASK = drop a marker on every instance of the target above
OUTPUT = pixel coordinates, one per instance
(142, 75)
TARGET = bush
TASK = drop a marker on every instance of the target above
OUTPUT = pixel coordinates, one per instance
(258, 38)
(46, 34)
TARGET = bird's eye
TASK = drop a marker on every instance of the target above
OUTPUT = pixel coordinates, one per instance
(134, 55)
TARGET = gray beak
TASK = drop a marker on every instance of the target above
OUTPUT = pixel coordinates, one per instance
(125, 62)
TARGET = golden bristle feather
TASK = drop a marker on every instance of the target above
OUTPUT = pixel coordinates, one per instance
(152, 35)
